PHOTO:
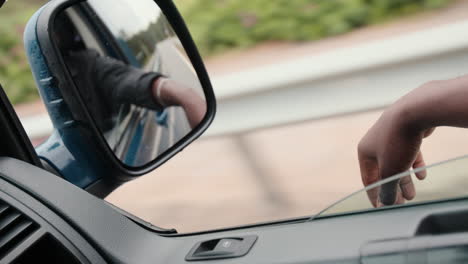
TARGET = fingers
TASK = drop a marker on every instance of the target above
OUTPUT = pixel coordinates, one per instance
(408, 191)
(369, 174)
(373, 195)
(395, 159)
(419, 163)
(400, 160)
(397, 192)
(400, 199)
(388, 193)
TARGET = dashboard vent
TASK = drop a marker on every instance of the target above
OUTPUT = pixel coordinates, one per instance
(15, 227)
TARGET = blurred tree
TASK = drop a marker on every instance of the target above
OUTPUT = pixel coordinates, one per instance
(15, 74)
(217, 25)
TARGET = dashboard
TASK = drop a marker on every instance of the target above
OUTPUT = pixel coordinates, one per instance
(30, 232)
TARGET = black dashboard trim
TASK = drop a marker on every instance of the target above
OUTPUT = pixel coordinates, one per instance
(332, 240)
(49, 223)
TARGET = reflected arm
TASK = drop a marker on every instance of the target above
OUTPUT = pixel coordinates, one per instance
(121, 83)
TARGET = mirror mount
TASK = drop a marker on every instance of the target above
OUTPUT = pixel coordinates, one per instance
(77, 149)
(63, 149)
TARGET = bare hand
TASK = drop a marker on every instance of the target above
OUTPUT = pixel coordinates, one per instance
(387, 149)
(392, 146)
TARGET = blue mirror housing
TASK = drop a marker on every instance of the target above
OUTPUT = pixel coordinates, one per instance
(77, 150)
(66, 150)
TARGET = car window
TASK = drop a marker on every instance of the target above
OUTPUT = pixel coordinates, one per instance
(446, 180)
(298, 83)
(292, 109)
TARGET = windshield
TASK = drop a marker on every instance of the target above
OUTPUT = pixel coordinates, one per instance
(445, 180)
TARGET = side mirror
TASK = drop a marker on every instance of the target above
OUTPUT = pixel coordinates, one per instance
(123, 84)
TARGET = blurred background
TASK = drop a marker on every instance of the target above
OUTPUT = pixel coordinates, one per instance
(298, 84)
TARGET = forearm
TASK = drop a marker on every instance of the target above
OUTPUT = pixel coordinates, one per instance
(437, 103)
(169, 93)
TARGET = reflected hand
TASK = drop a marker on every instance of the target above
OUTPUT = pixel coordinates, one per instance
(173, 93)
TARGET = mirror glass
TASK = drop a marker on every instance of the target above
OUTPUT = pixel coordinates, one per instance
(133, 75)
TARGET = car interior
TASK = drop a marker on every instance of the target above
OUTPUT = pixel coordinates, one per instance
(45, 218)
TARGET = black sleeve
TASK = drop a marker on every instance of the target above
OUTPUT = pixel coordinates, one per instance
(122, 83)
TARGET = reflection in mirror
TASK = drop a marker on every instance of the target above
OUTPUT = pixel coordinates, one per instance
(133, 75)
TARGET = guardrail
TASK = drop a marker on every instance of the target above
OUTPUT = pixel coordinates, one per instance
(341, 81)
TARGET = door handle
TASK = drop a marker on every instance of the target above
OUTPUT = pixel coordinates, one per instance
(228, 247)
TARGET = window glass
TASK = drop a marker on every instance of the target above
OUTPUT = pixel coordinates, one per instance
(448, 180)
(298, 84)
